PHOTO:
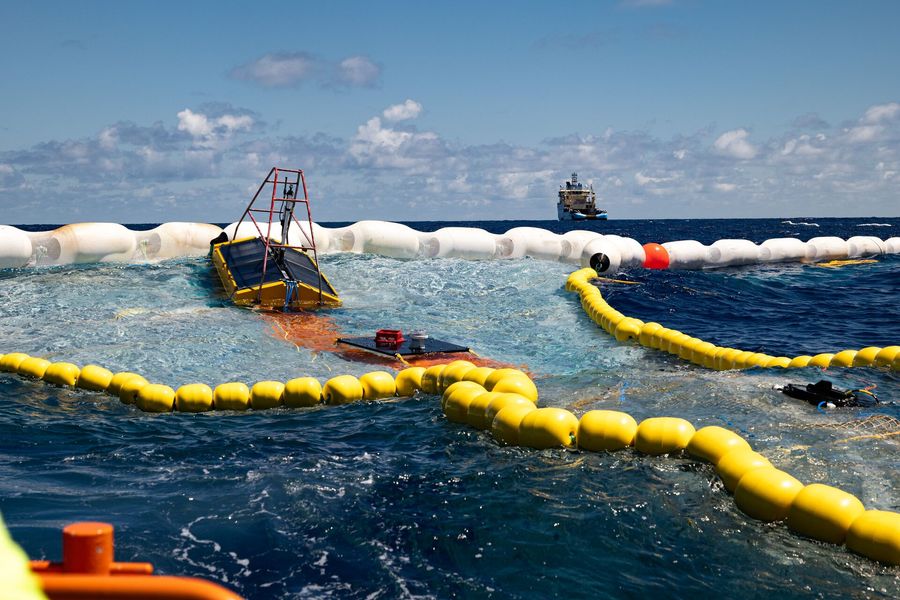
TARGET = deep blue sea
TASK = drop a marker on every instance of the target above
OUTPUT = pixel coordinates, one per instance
(388, 499)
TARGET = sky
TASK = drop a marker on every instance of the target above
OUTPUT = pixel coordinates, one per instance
(162, 111)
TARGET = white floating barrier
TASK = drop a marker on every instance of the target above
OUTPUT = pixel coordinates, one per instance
(15, 247)
(604, 246)
(381, 237)
(539, 244)
(171, 240)
(578, 238)
(630, 251)
(865, 245)
(686, 254)
(89, 242)
(248, 229)
(301, 235)
(727, 252)
(104, 242)
(828, 248)
(786, 250)
(459, 242)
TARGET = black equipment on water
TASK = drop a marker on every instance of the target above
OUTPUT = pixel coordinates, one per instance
(825, 393)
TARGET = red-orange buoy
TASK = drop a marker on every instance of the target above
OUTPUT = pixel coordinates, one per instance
(656, 257)
(88, 548)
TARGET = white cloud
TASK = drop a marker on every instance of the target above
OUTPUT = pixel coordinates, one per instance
(734, 144)
(864, 133)
(206, 131)
(108, 138)
(380, 146)
(389, 166)
(359, 71)
(409, 109)
(881, 112)
(282, 69)
(291, 69)
(195, 124)
(803, 145)
(235, 122)
(520, 185)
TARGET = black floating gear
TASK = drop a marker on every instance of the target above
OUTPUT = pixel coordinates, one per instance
(600, 262)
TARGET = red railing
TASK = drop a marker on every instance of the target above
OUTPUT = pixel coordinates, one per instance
(295, 180)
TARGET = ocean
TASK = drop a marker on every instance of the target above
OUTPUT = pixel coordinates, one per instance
(389, 499)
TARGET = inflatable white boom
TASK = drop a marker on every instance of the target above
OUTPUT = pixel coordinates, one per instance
(110, 242)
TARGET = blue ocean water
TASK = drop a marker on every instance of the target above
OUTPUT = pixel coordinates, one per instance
(387, 499)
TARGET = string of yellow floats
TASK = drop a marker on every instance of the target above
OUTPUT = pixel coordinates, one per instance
(707, 354)
(505, 402)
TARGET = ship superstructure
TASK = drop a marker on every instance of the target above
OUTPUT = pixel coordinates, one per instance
(577, 202)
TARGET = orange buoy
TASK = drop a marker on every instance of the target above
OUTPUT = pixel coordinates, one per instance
(88, 548)
(656, 257)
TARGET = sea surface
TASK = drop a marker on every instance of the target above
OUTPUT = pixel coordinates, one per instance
(388, 499)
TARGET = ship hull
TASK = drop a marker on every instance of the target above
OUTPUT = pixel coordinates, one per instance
(574, 215)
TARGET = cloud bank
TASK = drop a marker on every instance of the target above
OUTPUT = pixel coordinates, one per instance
(203, 164)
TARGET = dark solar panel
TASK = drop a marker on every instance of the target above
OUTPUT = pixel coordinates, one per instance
(245, 260)
(432, 346)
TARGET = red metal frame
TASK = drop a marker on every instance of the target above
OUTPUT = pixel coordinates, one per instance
(295, 178)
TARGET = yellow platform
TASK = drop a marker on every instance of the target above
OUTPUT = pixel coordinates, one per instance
(239, 264)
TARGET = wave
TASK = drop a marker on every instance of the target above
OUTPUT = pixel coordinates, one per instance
(874, 225)
(789, 222)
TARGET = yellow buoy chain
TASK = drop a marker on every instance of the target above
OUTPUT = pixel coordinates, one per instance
(707, 354)
(504, 402)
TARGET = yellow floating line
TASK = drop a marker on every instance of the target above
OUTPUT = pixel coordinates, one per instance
(834, 264)
(706, 354)
(505, 402)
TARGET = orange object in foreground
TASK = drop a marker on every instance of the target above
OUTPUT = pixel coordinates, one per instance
(132, 587)
(88, 571)
(88, 548)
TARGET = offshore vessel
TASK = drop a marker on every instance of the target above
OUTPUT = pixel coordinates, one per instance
(578, 202)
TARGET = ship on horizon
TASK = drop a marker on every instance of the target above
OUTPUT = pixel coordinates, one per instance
(578, 202)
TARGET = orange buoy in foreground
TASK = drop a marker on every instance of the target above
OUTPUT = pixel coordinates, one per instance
(656, 257)
(88, 571)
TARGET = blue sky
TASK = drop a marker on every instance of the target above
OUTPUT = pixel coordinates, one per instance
(139, 111)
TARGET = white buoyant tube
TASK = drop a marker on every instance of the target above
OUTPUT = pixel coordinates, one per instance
(630, 250)
(729, 252)
(601, 246)
(865, 245)
(459, 242)
(91, 242)
(686, 254)
(578, 238)
(15, 247)
(537, 243)
(786, 250)
(248, 230)
(828, 248)
(300, 235)
(171, 240)
(381, 237)
(104, 242)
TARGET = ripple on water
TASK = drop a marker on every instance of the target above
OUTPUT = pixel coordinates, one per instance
(390, 500)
